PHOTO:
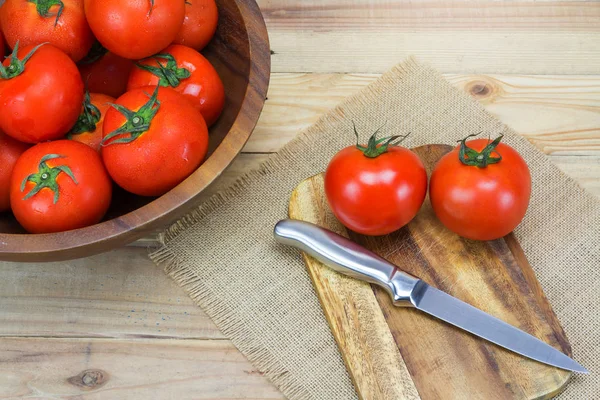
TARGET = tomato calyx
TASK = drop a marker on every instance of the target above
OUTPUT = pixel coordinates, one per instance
(96, 52)
(43, 8)
(168, 75)
(88, 119)
(481, 159)
(137, 123)
(46, 177)
(376, 147)
(16, 66)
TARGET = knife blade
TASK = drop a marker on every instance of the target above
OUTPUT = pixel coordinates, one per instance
(349, 258)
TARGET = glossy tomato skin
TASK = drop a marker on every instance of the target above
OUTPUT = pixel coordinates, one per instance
(199, 25)
(133, 29)
(44, 101)
(162, 157)
(93, 138)
(204, 88)
(375, 196)
(10, 151)
(71, 33)
(481, 203)
(107, 75)
(80, 203)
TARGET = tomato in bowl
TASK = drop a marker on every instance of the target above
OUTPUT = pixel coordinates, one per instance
(240, 54)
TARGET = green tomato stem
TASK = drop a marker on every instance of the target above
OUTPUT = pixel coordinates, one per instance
(16, 67)
(96, 52)
(376, 147)
(46, 177)
(137, 123)
(43, 8)
(168, 75)
(482, 159)
(88, 119)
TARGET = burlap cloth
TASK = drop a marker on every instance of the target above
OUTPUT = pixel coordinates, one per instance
(259, 293)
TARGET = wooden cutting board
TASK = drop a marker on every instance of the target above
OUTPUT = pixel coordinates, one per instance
(390, 351)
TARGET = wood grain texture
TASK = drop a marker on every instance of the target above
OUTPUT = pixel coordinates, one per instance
(483, 36)
(444, 362)
(239, 52)
(119, 294)
(480, 15)
(90, 369)
(559, 114)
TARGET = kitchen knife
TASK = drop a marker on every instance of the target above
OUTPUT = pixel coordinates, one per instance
(348, 258)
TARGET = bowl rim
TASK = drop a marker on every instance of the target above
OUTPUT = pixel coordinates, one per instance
(129, 227)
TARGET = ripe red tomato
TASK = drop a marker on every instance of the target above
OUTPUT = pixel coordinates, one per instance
(153, 143)
(58, 186)
(10, 151)
(88, 128)
(135, 29)
(375, 189)
(186, 71)
(60, 23)
(481, 190)
(40, 94)
(105, 72)
(199, 25)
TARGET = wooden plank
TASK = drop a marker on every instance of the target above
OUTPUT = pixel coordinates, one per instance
(558, 114)
(440, 15)
(119, 294)
(89, 369)
(497, 271)
(296, 101)
(482, 36)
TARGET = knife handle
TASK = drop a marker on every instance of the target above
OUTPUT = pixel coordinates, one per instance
(348, 258)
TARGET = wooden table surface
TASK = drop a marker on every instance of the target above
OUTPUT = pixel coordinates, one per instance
(114, 326)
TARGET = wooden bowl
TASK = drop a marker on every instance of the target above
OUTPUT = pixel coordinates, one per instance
(240, 52)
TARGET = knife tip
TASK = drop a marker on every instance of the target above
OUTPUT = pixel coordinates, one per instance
(580, 369)
(572, 365)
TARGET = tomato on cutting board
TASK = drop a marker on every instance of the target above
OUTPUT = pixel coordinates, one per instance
(105, 72)
(152, 142)
(58, 186)
(199, 25)
(88, 128)
(481, 189)
(40, 94)
(10, 151)
(135, 29)
(189, 73)
(61, 23)
(375, 189)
